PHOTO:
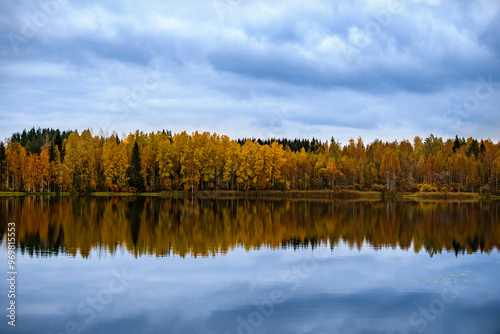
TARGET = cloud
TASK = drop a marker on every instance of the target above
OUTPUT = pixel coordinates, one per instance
(354, 68)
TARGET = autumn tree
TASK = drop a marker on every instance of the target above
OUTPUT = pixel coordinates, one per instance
(149, 159)
(472, 179)
(72, 158)
(304, 169)
(165, 160)
(495, 171)
(48, 160)
(45, 167)
(461, 165)
(390, 168)
(32, 172)
(207, 156)
(432, 144)
(231, 162)
(375, 152)
(290, 169)
(59, 175)
(190, 164)
(115, 163)
(371, 175)
(407, 164)
(15, 157)
(246, 173)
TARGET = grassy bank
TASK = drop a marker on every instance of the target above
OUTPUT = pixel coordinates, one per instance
(441, 195)
(273, 194)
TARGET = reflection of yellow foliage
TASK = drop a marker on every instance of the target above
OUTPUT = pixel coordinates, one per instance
(209, 227)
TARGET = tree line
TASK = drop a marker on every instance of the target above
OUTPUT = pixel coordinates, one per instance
(50, 160)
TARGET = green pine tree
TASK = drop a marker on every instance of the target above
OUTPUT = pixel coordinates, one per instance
(136, 179)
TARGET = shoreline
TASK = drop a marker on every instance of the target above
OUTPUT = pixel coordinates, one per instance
(273, 194)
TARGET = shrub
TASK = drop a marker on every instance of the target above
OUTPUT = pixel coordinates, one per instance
(379, 187)
(446, 189)
(426, 188)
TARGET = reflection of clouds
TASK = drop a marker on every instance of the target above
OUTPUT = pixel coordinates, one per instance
(349, 291)
(375, 311)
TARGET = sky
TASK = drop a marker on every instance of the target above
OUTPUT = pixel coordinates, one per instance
(296, 69)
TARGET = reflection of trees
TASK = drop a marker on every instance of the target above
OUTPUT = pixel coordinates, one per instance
(46, 225)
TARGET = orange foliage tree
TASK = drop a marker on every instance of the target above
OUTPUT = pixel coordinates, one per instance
(208, 161)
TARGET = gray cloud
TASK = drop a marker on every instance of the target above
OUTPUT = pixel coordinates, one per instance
(370, 69)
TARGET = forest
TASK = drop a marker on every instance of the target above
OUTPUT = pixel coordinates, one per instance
(66, 161)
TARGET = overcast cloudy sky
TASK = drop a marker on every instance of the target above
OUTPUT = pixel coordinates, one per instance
(376, 69)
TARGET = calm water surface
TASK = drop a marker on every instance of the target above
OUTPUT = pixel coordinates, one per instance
(149, 265)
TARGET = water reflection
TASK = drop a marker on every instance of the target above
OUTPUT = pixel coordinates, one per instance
(155, 226)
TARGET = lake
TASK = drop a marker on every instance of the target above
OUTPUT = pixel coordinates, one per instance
(153, 265)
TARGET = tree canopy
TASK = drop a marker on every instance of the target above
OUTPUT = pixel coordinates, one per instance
(53, 160)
